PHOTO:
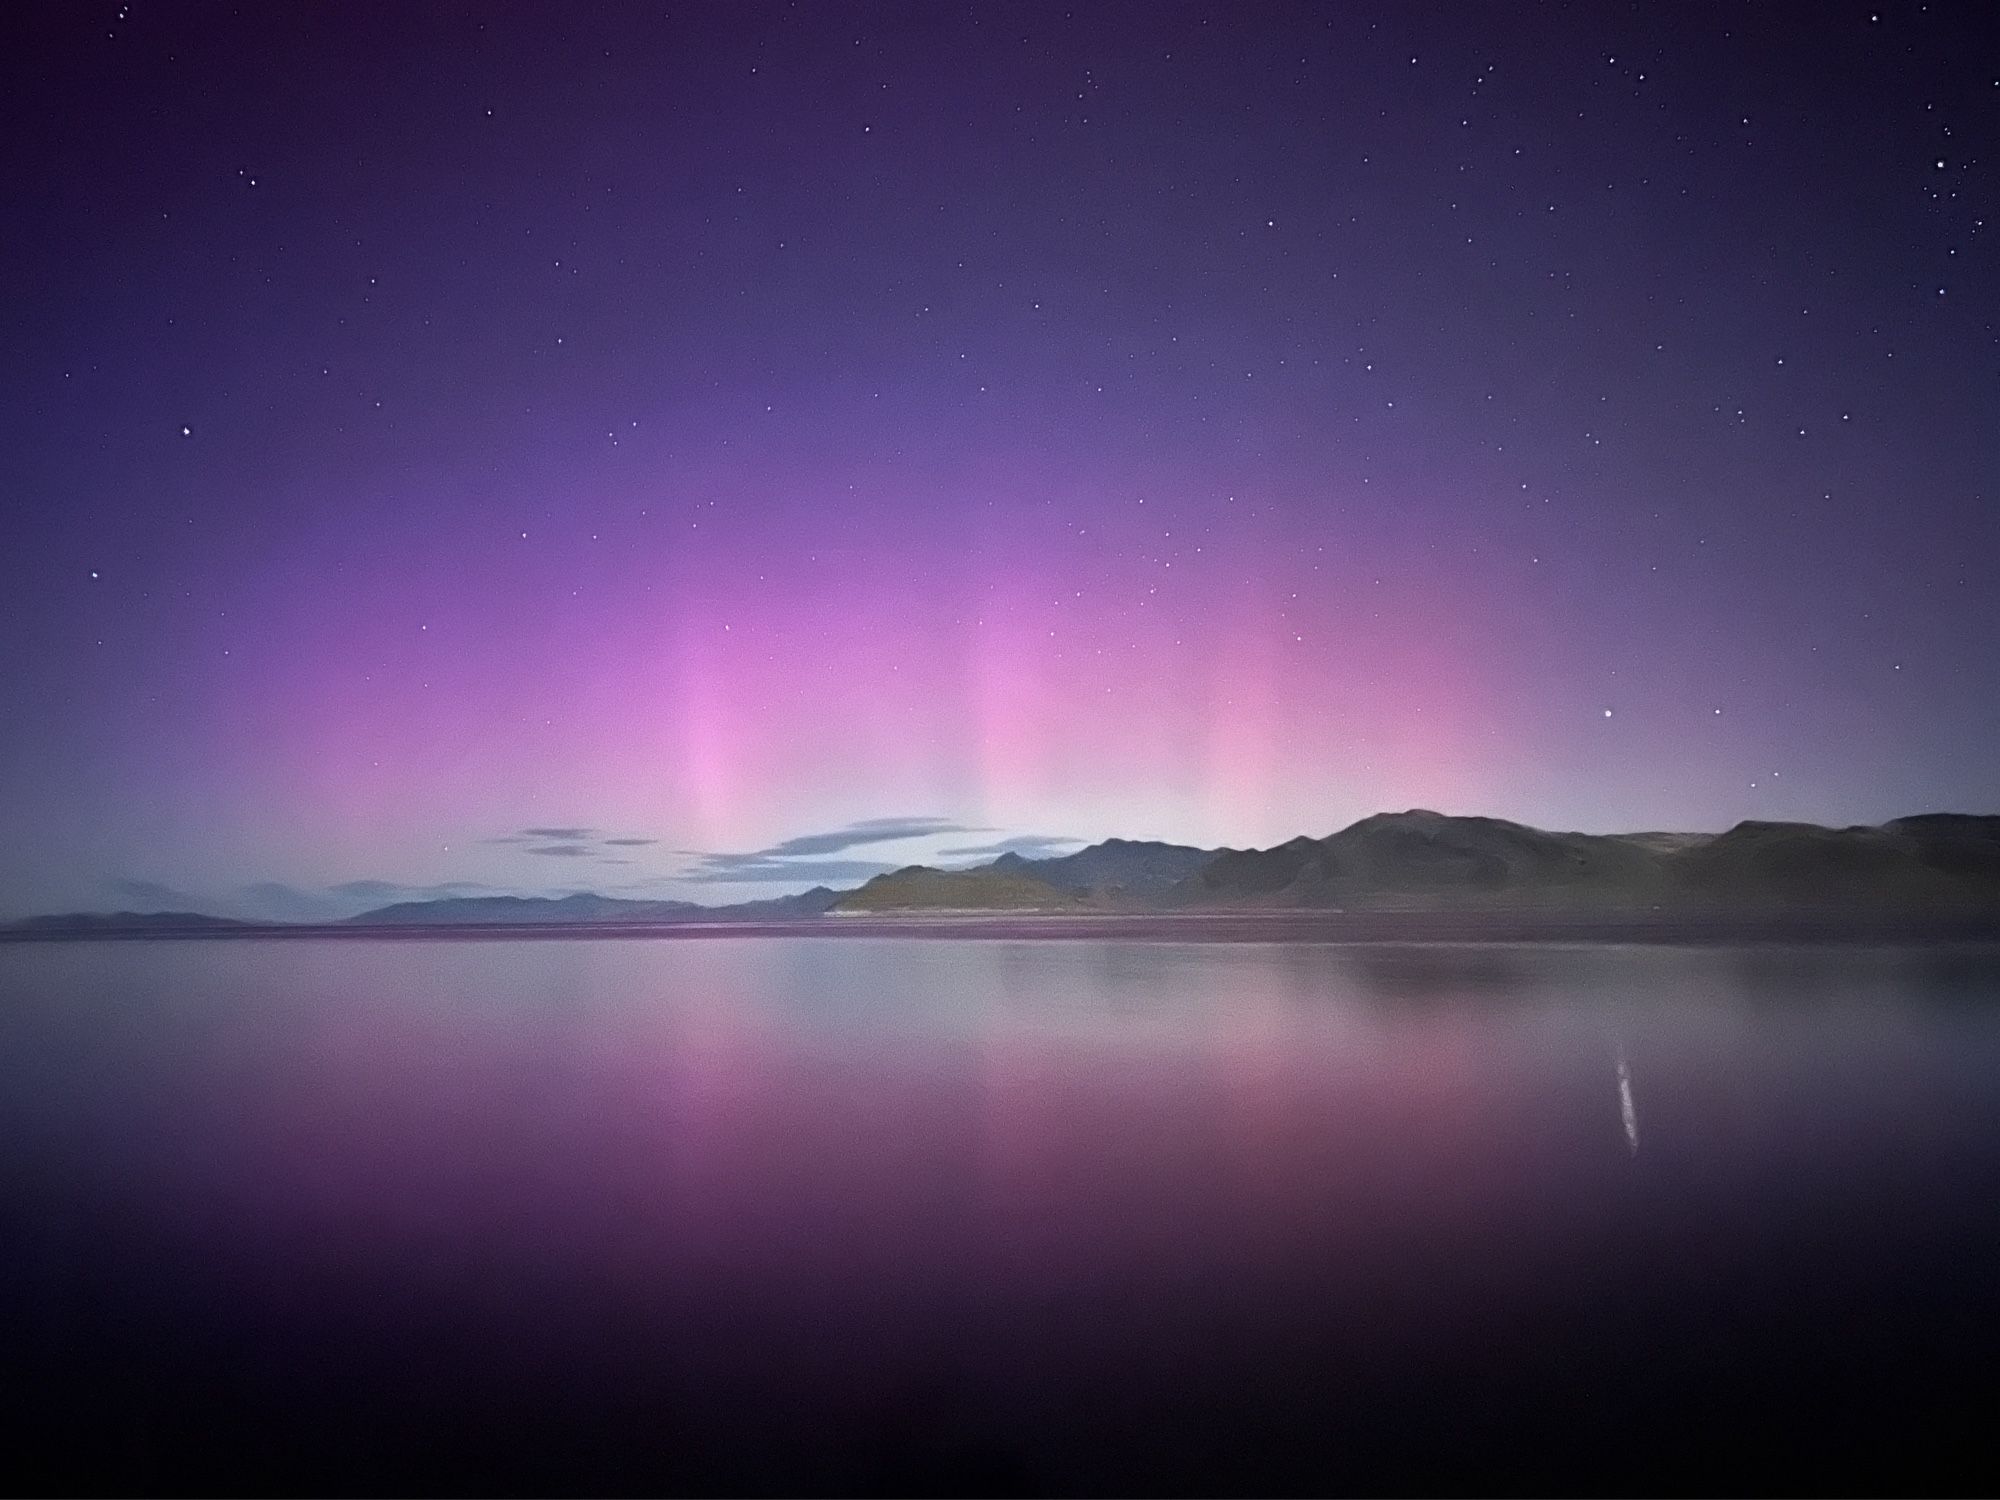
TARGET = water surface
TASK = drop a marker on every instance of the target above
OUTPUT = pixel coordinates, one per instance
(783, 1214)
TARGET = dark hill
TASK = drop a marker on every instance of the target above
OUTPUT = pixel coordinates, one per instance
(921, 888)
(1958, 844)
(1238, 873)
(1912, 862)
(482, 910)
(1423, 858)
(1117, 869)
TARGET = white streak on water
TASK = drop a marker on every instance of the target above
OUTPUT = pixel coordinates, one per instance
(1626, 1109)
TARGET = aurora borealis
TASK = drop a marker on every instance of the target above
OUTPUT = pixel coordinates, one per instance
(711, 427)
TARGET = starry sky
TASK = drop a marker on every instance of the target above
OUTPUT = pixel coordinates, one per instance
(701, 450)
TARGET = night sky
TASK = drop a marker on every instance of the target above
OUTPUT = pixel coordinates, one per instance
(698, 450)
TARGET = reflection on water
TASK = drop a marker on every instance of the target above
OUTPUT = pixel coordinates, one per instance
(1628, 1113)
(905, 1215)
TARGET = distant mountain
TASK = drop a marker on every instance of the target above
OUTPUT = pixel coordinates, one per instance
(122, 921)
(1936, 859)
(921, 888)
(810, 903)
(458, 911)
(1117, 869)
(1957, 843)
(1934, 864)
(1422, 858)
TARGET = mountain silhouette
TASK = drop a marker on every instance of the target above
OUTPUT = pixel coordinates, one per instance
(583, 906)
(1931, 865)
(1426, 858)
(1128, 866)
(992, 887)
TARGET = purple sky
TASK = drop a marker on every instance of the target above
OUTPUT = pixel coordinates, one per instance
(723, 426)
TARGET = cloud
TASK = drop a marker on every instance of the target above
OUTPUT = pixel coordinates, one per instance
(567, 841)
(801, 859)
(638, 885)
(1027, 845)
(867, 831)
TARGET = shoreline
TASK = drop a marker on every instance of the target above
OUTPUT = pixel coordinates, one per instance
(1815, 928)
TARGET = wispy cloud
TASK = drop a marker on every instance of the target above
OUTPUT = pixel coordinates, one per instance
(867, 831)
(570, 841)
(802, 858)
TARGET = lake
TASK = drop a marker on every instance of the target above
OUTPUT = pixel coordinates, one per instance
(892, 1214)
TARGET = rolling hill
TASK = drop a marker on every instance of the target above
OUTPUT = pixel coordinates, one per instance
(1427, 860)
(1116, 868)
(921, 888)
(1422, 858)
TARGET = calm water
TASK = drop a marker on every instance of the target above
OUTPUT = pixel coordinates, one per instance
(860, 1215)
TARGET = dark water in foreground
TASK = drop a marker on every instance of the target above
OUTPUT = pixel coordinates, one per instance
(783, 1214)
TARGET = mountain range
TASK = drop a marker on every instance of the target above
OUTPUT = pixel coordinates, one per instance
(490, 911)
(1427, 861)
(1939, 863)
